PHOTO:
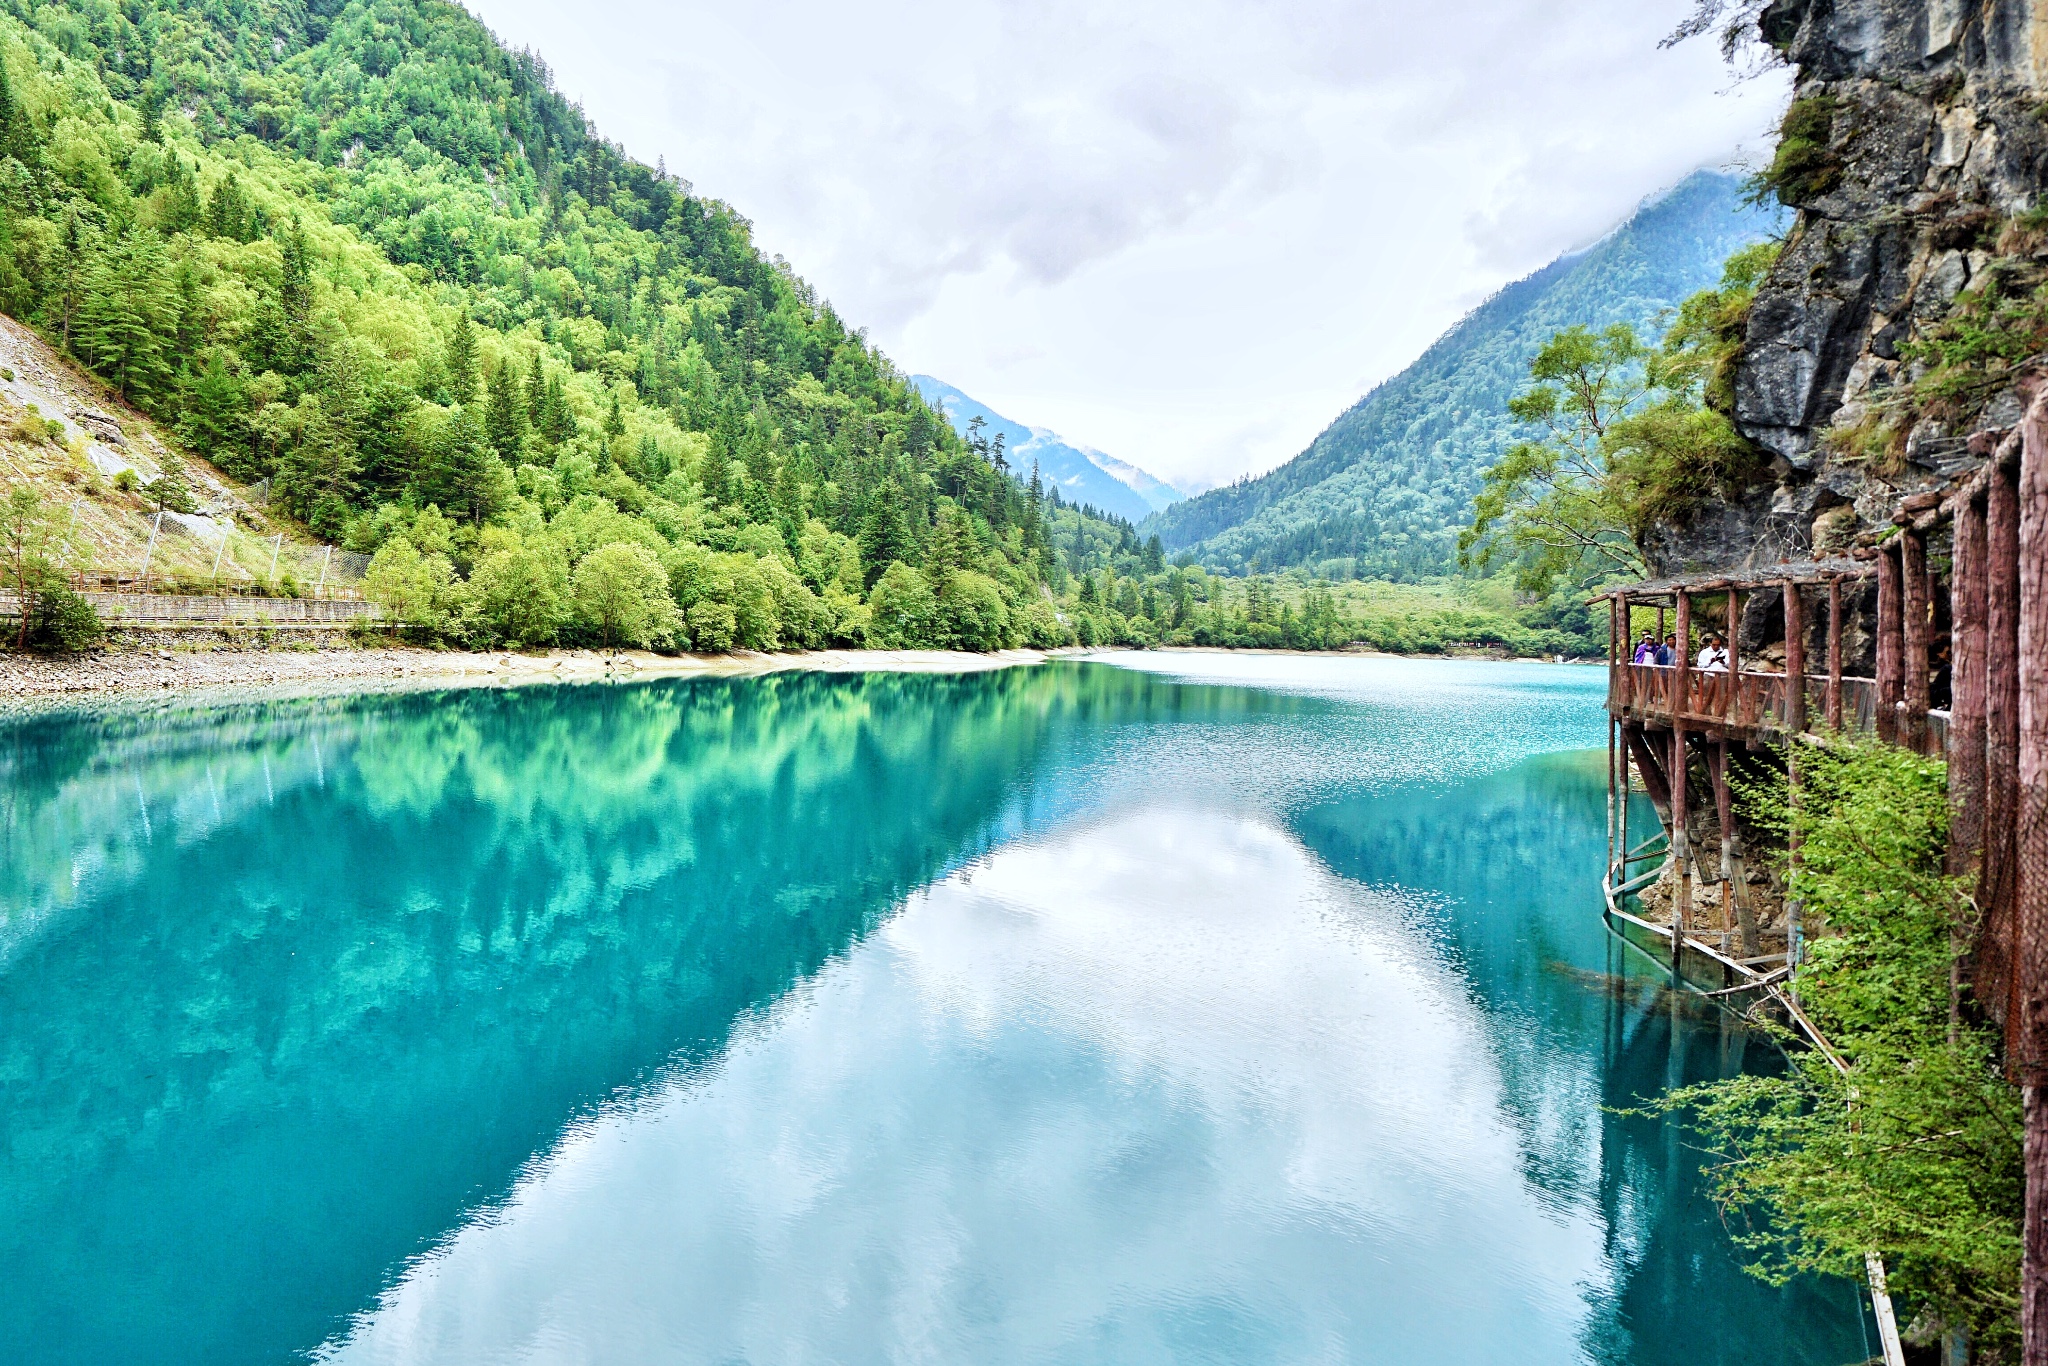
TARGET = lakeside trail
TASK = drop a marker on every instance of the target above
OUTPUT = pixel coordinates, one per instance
(35, 679)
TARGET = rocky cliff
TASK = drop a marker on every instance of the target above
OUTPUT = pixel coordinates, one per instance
(1916, 140)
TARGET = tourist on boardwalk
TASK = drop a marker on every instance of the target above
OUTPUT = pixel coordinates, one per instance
(1646, 649)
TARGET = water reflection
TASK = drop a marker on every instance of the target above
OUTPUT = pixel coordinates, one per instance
(1078, 1013)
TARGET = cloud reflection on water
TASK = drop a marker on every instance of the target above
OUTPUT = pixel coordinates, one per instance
(1158, 1088)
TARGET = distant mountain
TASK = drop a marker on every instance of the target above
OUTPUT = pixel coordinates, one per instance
(1381, 493)
(1081, 473)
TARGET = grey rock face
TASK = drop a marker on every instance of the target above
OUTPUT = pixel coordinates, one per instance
(1935, 133)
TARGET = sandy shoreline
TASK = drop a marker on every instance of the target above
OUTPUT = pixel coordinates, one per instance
(36, 681)
(29, 679)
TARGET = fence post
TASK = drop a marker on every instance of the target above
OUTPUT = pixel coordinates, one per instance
(275, 546)
(329, 559)
(150, 553)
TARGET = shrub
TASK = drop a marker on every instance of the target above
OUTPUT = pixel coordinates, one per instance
(64, 622)
(1805, 166)
(1915, 1153)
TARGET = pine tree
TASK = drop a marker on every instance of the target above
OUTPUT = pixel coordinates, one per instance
(505, 413)
(462, 361)
(128, 314)
(558, 421)
(211, 417)
(294, 343)
(228, 212)
(76, 252)
(536, 397)
(457, 472)
(171, 490)
(885, 534)
(181, 207)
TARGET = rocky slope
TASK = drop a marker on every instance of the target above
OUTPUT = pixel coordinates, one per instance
(1921, 141)
(64, 435)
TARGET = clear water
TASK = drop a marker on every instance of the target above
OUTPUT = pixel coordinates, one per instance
(1176, 1009)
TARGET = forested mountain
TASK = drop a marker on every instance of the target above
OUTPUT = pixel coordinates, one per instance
(1082, 474)
(359, 248)
(1382, 492)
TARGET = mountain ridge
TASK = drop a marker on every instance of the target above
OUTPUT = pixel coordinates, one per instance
(1380, 492)
(1082, 474)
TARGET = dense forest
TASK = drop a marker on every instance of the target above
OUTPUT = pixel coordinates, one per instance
(366, 253)
(1383, 491)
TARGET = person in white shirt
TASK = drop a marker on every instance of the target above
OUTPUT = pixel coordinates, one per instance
(1713, 657)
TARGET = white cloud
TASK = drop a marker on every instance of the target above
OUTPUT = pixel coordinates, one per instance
(1187, 232)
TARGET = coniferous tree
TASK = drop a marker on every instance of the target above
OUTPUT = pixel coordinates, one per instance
(461, 362)
(885, 534)
(127, 317)
(505, 413)
(228, 212)
(295, 301)
(536, 396)
(181, 207)
(212, 415)
(459, 473)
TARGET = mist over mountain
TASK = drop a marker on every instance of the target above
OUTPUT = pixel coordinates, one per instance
(1381, 492)
(1082, 474)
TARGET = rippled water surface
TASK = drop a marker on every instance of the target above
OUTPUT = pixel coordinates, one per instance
(1170, 1008)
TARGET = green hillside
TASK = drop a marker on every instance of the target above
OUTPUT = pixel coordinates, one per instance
(365, 252)
(1381, 493)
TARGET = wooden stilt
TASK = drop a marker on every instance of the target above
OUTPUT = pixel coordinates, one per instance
(1655, 784)
(1681, 848)
(1890, 664)
(1998, 882)
(1915, 626)
(1734, 875)
(1795, 659)
(1834, 699)
(1968, 591)
(2031, 923)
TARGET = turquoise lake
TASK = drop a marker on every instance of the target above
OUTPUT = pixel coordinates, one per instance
(1165, 1008)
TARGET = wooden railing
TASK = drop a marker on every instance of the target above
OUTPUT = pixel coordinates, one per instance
(1744, 701)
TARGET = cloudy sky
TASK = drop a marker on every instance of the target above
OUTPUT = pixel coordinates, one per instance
(1188, 232)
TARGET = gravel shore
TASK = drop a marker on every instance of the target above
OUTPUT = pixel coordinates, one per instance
(26, 678)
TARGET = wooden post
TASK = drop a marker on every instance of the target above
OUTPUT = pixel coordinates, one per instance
(2001, 748)
(1890, 667)
(1734, 614)
(2031, 924)
(1681, 841)
(1655, 785)
(1967, 604)
(1834, 699)
(1795, 659)
(1734, 871)
(1916, 625)
(1681, 660)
